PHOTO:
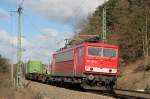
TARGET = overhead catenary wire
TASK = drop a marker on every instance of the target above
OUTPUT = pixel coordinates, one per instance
(104, 28)
(76, 12)
(37, 30)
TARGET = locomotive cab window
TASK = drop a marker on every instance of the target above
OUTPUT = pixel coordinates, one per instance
(94, 51)
(81, 51)
(102, 52)
(109, 52)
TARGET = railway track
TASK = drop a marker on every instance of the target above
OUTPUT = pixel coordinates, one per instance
(117, 93)
(123, 94)
(129, 94)
(126, 94)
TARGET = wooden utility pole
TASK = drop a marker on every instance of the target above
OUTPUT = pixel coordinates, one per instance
(12, 72)
(12, 66)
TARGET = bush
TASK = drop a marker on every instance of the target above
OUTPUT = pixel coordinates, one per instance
(4, 65)
(147, 89)
(144, 65)
(6, 84)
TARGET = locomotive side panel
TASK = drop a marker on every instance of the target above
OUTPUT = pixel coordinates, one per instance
(64, 68)
(79, 61)
(69, 62)
(63, 64)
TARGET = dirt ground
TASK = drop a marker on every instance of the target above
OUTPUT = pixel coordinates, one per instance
(35, 90)
(52, 92)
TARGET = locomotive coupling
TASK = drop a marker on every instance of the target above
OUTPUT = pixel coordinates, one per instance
(91, 77)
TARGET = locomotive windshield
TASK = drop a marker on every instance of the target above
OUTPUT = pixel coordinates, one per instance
(101, 52)
(109, 52)
(95, 51)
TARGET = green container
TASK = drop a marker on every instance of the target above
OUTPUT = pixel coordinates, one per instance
(35, 67)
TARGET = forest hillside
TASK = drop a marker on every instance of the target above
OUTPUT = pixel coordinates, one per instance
(128, 25)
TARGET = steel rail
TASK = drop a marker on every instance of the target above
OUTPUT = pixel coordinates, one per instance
(131, 94)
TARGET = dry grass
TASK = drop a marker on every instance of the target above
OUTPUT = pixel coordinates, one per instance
(135, 76)
(11, 93)
(41, 91)
(144, 65)
(7, 91)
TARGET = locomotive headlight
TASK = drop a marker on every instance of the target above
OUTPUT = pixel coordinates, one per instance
(91, 69)
(110, 70)
(114, 70)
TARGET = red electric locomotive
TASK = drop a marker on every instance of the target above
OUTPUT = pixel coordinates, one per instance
(91, 65)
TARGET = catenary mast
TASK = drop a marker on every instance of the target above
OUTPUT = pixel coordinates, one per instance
(19, 76)
(104, 26)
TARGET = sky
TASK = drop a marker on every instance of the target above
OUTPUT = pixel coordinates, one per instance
(45, 25)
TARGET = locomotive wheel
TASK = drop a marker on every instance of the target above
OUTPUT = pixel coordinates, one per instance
(43, 79)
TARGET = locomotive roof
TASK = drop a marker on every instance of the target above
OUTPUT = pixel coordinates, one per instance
(87, 44)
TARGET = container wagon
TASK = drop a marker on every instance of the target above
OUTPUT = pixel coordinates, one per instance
(34, 68)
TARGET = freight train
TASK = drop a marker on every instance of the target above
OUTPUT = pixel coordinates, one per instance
(89, 65)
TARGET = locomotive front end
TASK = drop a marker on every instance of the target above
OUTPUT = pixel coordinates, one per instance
(101, 65)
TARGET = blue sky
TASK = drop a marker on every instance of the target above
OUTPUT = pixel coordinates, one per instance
(32, 22)
(46, 23)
